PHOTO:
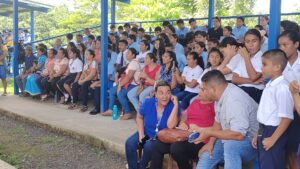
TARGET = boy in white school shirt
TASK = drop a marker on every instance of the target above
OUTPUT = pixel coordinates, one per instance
(275, 112)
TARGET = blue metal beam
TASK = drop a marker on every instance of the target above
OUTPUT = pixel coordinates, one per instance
(104, 53)
(16, 38)
(211, 13)
(26, 6)
(32, 28)
(113, 12)
(274, 24)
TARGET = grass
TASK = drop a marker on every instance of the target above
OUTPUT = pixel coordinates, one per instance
(51, 140)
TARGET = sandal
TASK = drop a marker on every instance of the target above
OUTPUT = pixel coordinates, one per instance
(83, 109)
(73, 107)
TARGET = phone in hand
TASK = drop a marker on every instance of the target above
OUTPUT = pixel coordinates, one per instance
(192, 137)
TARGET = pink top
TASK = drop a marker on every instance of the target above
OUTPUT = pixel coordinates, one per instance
(58, 64)
(49, 65)
(202, 115)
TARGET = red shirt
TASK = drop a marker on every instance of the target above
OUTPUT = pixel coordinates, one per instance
(202, 115)
(151, 73)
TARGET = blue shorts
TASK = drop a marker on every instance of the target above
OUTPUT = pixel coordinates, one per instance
(3, 70)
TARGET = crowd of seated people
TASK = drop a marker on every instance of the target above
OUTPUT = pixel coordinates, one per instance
(221, 82)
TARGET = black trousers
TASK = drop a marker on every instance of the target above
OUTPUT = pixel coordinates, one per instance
(181, 152)
(83, 90)
(96, 96)
(253, 92)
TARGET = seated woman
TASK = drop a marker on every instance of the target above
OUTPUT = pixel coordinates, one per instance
(169, 71)
(84, 82)
(31, 86)
(155, 114)
(199, 48)
(147, 79)
(189, 78)
(42, 81)
(75, 69)
(21, 79)
(125, 83)
(60, 71)
(200, 113)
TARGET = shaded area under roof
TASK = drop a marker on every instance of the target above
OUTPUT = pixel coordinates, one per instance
(6, 7)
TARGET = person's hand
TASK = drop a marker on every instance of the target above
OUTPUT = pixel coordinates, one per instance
(260, 81)
(295, 87)
(207, 148)
(174, 99)
(143, 75)
(268, 143)
(183, 126)
(119, 89)
(244, 53)
(254, 141)
(92, 86)
(80, 81)
(229, 51)
(203, 134)
(141, 136)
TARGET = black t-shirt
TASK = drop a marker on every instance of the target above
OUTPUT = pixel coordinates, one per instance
(212, 33)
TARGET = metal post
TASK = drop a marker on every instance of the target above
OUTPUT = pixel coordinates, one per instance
(16, 39)
(104, 53)
(211, 12)
(275, 13)
(32, 28)
(113, 12)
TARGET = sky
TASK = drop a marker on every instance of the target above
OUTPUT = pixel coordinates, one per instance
(260, 6)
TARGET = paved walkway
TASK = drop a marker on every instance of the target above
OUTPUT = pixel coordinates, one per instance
(4, 165)
(97, 130)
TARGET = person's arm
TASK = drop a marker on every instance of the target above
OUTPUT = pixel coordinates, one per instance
(140, 126)
(152, 81)
(127, 78)
(252, 73)
(236, 79)
(295, 90)
(90, 76)
(270, 141)
(297, 102)
(174, 79)
(191, 84)
(173, 118)
(62, 70)
(77, 77)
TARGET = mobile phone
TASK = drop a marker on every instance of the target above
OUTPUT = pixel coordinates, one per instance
(193, 137)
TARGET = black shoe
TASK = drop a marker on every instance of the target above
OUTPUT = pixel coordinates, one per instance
(94, 112)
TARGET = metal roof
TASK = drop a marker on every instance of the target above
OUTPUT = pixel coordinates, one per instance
(6, 7)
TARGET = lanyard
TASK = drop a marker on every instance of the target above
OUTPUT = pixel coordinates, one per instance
(159, 119)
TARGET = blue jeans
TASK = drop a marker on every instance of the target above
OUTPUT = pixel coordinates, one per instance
(131, 147)
(232, 152)
(138, 100)
(185, 98)
(122, 97)
(112, 97)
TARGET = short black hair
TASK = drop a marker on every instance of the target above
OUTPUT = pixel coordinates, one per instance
(276, 56)
(120, 27)
(133, 51)
(141, 30)
(69, 36)
(112, 26)
(91, 37)
(134, 29)
(228, 41)
(214, 76)
(191, 20)
(165, 23)
(214, 40)
(127, 25)
(171, 27)
(180, 21)
(202, 33)
(161, 83)
(133, 37)
(123, 41)
(157, 29)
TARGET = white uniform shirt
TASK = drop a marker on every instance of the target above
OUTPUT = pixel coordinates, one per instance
(75, 66)
(191, 74)
(141, 58)
(241, 70)
(124, 57)
(232, 65)
(292, 73)
(276, 103)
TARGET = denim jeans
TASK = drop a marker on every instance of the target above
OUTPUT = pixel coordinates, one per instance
(21, 82)
(231, 152)
(185, 98)
(131, 147)
(112, 97)
(138, 100)
(122, 97)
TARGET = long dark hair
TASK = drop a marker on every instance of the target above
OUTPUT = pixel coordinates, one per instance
(174, 61)
(292, 35)
(200, 61)
(161, 49)
(64, 51)
(215, 50)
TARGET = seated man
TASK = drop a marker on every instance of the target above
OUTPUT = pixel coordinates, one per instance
(234, 127)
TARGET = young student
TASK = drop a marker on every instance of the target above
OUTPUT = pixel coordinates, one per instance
(144, 50)
(179, 50)
(189, 78)
(200, 36)
(121, 58)
(132, 42)
(88, 74)
(120, 30)
(227, 32)
(247, 74)
(141, 34)
(264, 21)
(240, 29)
(199, 48)
(159, 49)
(157, 32)
(180, 58)
(229, 48)
(194, 27)
(275, 112)
(212, 43)
(127, 27)
(75, 69)
(288, 41)
(181, 31)
(217, 30)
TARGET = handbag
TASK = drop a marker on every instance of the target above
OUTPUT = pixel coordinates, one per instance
(170, 136)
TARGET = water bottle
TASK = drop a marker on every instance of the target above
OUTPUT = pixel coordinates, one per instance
(115, 113)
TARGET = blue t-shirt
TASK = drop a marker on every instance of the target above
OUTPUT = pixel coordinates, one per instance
(239, 33)
(181, 60)
(41, 61)
(148, 111)
(135, 45)
(111, 66)
(181, 33)
(179, 49)
(29, 61)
